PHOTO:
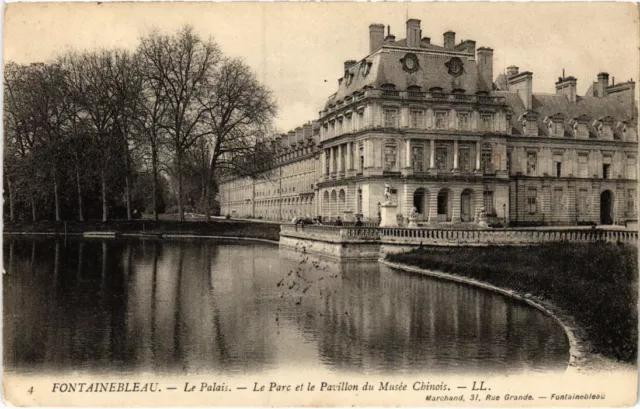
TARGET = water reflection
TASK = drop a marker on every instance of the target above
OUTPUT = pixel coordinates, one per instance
(204, 306)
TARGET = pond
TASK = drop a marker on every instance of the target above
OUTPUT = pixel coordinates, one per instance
(205, 306)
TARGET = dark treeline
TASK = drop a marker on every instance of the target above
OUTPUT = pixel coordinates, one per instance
(110, 133)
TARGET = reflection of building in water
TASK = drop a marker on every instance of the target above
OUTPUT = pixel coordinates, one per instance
(434, 122)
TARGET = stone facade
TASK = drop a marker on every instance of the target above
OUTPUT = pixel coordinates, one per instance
(430, 124)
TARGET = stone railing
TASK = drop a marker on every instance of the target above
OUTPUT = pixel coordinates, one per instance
(500, 237)
(331, 233)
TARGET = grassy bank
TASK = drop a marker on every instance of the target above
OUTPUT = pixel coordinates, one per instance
(269, 231)
(597, 283)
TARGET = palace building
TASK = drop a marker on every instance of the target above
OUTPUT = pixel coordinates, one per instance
(449, 139)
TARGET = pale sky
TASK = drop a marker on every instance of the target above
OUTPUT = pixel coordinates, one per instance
(298, 49)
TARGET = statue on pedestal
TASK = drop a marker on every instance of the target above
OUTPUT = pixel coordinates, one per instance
(387, 193)
(481, 219)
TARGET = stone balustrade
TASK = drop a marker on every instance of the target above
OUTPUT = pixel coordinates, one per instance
(413, 236)
(502, 236)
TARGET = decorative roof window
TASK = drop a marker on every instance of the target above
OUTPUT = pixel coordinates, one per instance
(459, 94)
(436, 92)
(529, 122)
(389, 90)
(415, 91)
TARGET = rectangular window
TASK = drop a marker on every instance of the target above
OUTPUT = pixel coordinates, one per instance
(509, 160)
(464, 159)
(487, 160)
(532, 163)
(360, 124)
(390, 155)
(418, 158)
(532, 200)
(557, 164)
(583, 165)
(463, 121)
(359, 208)
(606, 171)
(556, 203)
(361, 155)
(327, 159)
(583, 194)
(487, 122)
(488, 202)
(441, 158)
(417, 119)
(391, 118)
(441, 120)
(631, 167)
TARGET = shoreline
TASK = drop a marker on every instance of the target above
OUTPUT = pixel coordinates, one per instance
(581, 359)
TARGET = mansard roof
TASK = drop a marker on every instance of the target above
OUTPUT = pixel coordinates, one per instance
(385, 66)
(547, 106)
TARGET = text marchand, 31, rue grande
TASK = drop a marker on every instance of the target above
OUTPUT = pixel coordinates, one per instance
(83, 387)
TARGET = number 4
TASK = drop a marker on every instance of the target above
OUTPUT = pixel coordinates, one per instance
(30, 390)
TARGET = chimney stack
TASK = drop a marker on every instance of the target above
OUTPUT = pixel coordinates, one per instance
(413, 33)
(603, 83)
(512, 70)
(376, 37)
(485, 66)
(425, 41)
(567, 86)
(449, 40)
(522, 83)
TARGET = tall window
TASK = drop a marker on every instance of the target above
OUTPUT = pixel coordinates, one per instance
(557, 164)
(390, 155)
(464, 159)
(417, 118)
(359, 204)
(418, 158)
(487, 158)
(391, 117)
(532, 200)
(487, 202)
(509, 160)
(360, 123)
(556, 203)
(583, 169)
(441, 158)
(361, 156)
(441, 119)
(463, 121)
(327, 158)
(487, 122)
(532, 163)
(631, 167)
(583, 194)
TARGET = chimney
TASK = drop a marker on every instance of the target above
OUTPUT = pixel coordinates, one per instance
(291, 137)
(485, 66)
(307, 130)
(348, 64)
(603, 83)
(413, 33)
(522, 83)
(299, 136)
(449, 40)
(567, 86)
(376, 37)
(390, 38)
(425, 41)
(512, 70)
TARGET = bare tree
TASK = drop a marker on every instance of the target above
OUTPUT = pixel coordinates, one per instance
(239, 112)
(182, 65)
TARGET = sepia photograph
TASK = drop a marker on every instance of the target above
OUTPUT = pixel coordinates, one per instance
(320, 204)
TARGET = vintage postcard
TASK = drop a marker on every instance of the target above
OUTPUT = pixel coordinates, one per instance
(320, 204)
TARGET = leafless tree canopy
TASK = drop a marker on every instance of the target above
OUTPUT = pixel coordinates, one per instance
(108, 133)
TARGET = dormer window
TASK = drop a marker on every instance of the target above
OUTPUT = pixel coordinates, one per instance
(389, 90)
(436, 92)
(415, 91)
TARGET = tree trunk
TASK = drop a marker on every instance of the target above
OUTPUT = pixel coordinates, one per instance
(127, 182)
(56, 196)
(154, 170)
(105, 213)
(12, 208)
(79, 186)
(179, 171)
(32, 201)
